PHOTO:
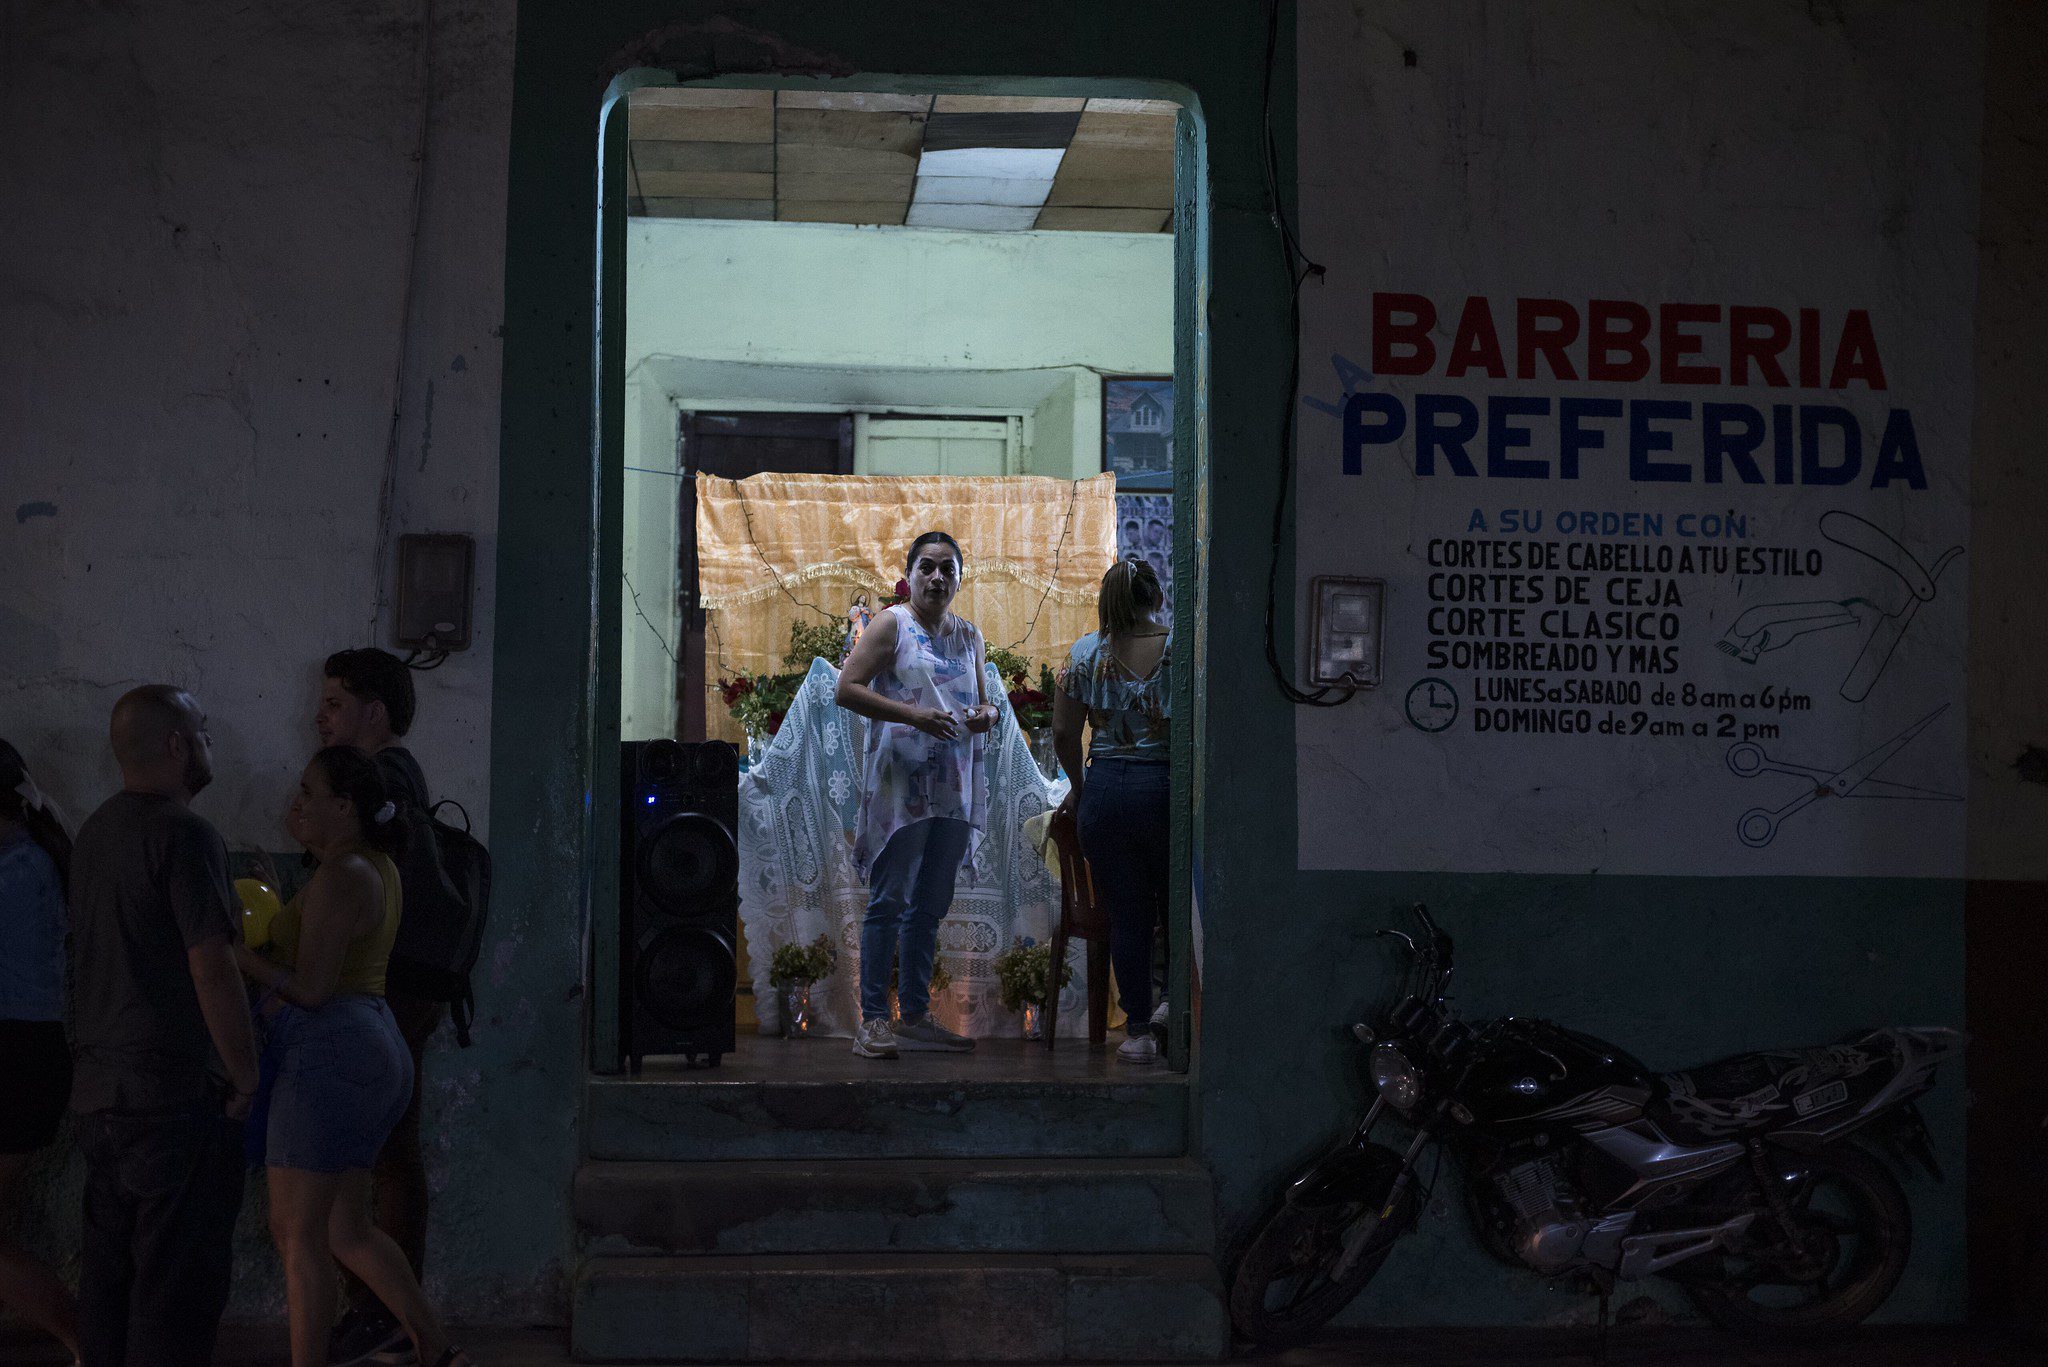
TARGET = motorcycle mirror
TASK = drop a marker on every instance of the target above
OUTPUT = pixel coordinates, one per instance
(1363, 1033)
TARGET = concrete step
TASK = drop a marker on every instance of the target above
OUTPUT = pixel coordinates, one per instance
(902, 1114)
(899, 1308)
(1060, 1205)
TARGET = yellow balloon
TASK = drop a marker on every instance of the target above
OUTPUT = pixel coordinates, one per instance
(259, 905)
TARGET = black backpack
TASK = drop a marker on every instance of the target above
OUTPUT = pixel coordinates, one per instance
(446, 875)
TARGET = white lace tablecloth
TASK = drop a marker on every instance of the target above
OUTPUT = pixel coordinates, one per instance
(798, 801)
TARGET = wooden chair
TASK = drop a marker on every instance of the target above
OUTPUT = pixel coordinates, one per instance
(1079, 916)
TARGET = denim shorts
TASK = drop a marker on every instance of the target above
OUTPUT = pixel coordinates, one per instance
(334, 1083)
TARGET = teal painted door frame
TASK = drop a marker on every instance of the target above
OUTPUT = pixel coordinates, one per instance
(555, 692)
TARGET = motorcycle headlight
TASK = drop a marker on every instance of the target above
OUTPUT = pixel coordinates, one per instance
(1399, 1081)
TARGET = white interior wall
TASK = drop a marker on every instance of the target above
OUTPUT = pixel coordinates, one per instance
(729, 315)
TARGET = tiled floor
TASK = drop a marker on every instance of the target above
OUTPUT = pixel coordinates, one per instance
(1887, 1347)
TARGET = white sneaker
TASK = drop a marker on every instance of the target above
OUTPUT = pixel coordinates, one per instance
(926, 1033)
(873, 1039)
(1138, 1049)
(1159, 1013)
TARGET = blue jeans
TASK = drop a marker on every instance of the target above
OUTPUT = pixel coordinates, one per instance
(334, 1084)
(1127, 833)
(162, 1189)
(910, 890)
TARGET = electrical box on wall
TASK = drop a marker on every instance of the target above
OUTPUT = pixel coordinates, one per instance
(436, 583)
(1344, 631)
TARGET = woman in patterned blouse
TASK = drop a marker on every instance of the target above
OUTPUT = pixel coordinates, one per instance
(1119, 682)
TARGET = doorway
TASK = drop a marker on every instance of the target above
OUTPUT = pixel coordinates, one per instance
(846, 178)
(733, 446)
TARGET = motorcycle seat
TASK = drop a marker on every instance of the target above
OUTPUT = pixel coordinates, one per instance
(1744, 1093)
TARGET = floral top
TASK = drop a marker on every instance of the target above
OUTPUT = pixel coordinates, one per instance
(910, 776)
(1130, 717)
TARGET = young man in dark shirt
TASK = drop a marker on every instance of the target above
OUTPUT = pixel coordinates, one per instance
(367, 700)
(164, 1055)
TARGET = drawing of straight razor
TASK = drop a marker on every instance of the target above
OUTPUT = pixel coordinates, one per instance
(1868, 539)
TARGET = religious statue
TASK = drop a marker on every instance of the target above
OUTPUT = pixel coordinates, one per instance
(858, 615)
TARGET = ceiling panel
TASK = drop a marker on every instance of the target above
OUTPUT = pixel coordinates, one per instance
(747, 209)
(1113, 106)
(840, 211)
(1148, 132)
(706, 184)
(1007, 104)
(828, 186)
(717, 124)
(888, 132)
(1114, 177)
(990, 162)
(850, 99)
(979, 190)
(1055, 218)
(1028, 163)
(986, 217)
(801, 158)
(702, 156)
(946, 131)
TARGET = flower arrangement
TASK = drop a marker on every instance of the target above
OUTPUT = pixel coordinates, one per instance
(759, 702)
(793, 963)
(1030, 697)
(1023, 974)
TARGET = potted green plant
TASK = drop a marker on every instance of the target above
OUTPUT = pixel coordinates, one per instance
(1024, 980)
(794, 969)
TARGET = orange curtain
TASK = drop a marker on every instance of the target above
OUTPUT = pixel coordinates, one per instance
(774, 549)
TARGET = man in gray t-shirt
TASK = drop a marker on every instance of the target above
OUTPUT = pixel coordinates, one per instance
(165, 1058)
(152, 885)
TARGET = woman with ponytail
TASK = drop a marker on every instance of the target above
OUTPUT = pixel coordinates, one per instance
(35, 1059)
(1118, 682)
(336, 1071)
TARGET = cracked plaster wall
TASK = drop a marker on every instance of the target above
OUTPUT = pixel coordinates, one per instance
(202, 306)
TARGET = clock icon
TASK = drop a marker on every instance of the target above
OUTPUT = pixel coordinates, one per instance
(1432, 705)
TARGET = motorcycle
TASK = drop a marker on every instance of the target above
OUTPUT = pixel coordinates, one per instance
(1762, 1183)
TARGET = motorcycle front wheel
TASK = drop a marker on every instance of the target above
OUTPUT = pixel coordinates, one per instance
(1285, 1288)
(1854, 1230)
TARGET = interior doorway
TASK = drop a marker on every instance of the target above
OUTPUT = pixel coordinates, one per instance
(733, 446)
(844, 307)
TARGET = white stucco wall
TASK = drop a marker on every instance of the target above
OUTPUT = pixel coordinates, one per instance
(201, 317)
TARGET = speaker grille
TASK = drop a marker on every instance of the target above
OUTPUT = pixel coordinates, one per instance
(689, 859)
(686, 973)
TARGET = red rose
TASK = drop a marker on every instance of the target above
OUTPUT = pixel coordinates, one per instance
(903, 588)
(775, 720)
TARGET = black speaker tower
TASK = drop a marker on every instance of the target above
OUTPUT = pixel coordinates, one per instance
(679, 898)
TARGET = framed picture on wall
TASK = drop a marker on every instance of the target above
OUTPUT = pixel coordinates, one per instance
(1137, 432)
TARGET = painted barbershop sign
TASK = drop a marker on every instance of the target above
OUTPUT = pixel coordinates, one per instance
(1672, 517)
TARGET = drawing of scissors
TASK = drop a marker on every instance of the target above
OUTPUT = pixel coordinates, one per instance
(1758, 825)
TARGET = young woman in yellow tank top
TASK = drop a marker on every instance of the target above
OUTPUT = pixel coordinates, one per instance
(336, 1071)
